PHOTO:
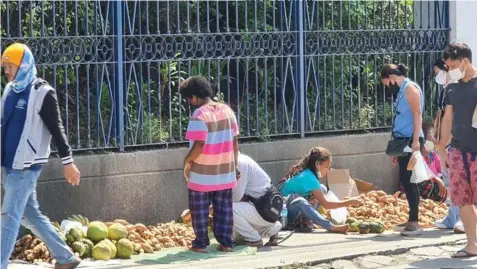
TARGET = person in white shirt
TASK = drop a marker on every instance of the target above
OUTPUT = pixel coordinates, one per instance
(249, 226)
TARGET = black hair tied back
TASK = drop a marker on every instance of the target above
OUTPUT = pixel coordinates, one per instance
(403, 69)
(392, 69)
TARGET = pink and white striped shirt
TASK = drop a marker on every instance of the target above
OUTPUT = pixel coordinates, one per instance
(214, 168)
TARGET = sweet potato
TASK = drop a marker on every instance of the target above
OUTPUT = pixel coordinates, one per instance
(147, 248)
(121, 221)
(380, 193)
(140, 227)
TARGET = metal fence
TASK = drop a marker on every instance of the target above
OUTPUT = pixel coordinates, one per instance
(285, 67)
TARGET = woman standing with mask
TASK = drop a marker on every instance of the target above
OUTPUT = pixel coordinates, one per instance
(452, 220)
(407, 135)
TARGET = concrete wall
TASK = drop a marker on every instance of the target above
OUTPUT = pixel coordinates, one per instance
(148, 186)
(463, 23)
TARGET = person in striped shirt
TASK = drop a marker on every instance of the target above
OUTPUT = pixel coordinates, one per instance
(210, 168)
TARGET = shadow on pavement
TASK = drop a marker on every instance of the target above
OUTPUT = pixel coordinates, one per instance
(432, 234)
(445, 263)
(340, 239)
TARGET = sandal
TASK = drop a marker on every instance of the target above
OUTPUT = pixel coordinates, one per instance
(198, 250)
(462, 254)
(273, 241)
(276, 240)
(224, 249)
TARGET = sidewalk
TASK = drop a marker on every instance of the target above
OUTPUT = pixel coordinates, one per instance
(437, 257)
(315, 248)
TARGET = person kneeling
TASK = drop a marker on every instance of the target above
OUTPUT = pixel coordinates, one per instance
(249, 225)
(302, 184)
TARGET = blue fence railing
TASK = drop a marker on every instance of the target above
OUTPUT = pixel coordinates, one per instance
(286, 67)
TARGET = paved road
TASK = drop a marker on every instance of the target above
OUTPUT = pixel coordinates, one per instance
(317, 247)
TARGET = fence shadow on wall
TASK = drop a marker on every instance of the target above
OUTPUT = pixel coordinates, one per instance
(285, 67)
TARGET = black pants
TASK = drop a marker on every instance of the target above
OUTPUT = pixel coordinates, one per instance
(411, 190)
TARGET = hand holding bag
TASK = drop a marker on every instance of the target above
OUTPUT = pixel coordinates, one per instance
(420, 170)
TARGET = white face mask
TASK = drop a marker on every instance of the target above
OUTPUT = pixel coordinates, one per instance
(441, 77)
(319, 174)
(456, 74)
(429, 145)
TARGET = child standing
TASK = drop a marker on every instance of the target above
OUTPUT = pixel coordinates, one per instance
(210, 168)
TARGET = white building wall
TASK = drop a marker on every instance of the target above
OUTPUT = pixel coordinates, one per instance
(463, 23)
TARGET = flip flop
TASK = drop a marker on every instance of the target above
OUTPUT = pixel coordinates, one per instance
(273, 242)
(463, 254)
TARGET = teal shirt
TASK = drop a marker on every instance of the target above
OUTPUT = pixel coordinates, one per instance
(302, 184)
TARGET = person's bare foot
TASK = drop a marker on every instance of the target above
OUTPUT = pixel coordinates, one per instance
(467, 252)
(199, 250)
(224, 249)
(340, 229)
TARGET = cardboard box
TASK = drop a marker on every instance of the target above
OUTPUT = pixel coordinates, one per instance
(341, 183)
(363, 186)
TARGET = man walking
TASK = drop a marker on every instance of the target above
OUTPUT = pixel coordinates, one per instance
(30, 118)
(248, 224)
(460, 121)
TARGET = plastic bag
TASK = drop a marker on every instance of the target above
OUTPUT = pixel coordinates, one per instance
(420, 170)
(338, 215)
(67, 225)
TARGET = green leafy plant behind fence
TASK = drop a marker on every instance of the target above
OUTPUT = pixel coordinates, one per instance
(285, 67)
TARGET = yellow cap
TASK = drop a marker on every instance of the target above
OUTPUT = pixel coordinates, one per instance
(14, 54)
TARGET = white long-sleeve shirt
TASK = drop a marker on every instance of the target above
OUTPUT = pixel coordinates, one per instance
(253, 181)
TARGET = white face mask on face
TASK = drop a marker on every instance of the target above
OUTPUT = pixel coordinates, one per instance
(457, 74)
(441, 77)
(429, 145)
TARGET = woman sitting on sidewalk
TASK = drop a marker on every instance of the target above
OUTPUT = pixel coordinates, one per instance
(302, 184)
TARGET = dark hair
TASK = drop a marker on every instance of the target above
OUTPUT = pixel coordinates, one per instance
(441, 64)
(318, 154)
(426, 129)
(458, 51)
(197, 86)
(392, 69)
